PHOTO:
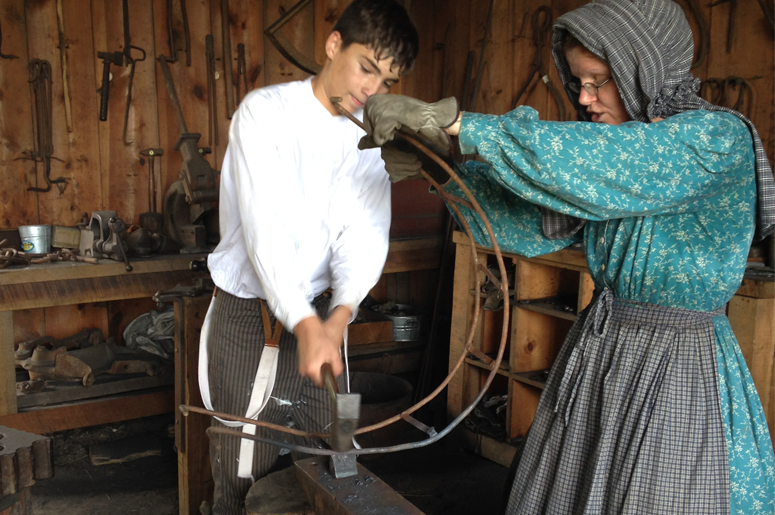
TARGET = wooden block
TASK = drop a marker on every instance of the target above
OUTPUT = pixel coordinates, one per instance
(499, 452)
(278, 493)
(17, 504)
(524, 402)
(536, 340)
(370, 332)
(127, 449)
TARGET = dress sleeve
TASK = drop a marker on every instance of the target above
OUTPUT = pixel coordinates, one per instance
(268, 225)
(359, 253)
(600, 172)
(516, 223)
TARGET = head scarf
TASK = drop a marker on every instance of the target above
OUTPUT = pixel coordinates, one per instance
(648, 46)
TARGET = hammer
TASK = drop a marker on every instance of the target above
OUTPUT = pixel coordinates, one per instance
(347, 411)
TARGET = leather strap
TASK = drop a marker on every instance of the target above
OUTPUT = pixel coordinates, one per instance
(271, 337)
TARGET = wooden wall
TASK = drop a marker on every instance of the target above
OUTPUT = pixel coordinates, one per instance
(105, 173)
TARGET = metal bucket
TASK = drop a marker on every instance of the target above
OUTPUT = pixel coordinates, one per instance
(382, 396)
(36, 239)
(406, 327)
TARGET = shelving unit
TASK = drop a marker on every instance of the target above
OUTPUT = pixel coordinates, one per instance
(548, 293)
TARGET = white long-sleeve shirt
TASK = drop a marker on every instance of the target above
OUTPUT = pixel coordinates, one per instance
(301, 208)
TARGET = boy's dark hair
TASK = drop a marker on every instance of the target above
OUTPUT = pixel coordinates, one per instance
(385, 27)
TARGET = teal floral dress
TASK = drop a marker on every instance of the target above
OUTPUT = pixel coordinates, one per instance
(669, 210)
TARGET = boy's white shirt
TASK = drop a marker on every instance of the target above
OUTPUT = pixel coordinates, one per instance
(301, 208)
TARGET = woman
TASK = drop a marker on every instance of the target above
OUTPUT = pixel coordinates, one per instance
(649, 407)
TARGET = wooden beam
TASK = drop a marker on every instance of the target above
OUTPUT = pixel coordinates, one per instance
(93, 413)
(7, 365)
(80, 291)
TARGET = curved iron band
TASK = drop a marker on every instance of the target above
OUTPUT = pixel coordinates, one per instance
(494, 365)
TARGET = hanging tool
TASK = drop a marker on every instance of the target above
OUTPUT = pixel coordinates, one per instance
(731, 21)
(198, 184)
(285, 47)
(131, 62)
(719, 92)
(63, 63)
(152, 220)
(227, 72)
(2, 55)
(769, 13)
(198, 177)
(108, 58)
(173, 57)
(541, 21)
(212, 104)
(242, 70)
(40, 86)
(347, 411)
(704, 37)
(480, 70)
(186, 31)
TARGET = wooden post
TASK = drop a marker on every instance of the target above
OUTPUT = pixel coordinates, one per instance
(7, 365)
(194, 476)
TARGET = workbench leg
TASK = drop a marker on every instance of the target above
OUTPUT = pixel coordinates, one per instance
(7, 365)
(194, 477)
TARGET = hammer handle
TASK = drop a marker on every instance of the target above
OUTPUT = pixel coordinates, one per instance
(328, 376)
(104, 91)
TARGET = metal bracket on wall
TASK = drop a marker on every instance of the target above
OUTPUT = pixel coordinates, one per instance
(285, 47)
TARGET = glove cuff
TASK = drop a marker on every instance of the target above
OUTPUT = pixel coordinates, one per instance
(446, 112)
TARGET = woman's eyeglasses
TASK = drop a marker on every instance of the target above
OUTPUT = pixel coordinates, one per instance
(590, 87)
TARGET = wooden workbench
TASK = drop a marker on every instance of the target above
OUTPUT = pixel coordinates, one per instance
(65, 283)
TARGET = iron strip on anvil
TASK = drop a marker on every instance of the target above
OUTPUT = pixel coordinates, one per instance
(364, 494)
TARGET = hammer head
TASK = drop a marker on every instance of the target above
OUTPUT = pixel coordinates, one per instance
(116, 58)
(347, 411)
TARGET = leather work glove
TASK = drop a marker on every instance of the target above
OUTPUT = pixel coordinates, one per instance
(403, 161)
(383, 115)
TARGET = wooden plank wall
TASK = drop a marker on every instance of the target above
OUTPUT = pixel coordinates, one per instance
(104, 172)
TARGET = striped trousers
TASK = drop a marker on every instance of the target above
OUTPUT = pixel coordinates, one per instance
(235, 343)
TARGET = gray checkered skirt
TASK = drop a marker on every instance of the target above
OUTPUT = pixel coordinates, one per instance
(630, 421)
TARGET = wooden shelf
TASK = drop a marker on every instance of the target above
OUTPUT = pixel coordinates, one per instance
(530, 378)
(484, 366)
(546, 307)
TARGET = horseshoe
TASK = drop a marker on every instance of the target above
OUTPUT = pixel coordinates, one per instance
(285, 47)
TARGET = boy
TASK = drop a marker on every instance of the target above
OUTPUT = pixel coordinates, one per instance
(301, 210)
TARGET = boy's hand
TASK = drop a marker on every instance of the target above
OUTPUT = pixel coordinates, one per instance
(317, 345)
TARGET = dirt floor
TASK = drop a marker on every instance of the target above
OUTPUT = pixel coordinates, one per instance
(440, 480)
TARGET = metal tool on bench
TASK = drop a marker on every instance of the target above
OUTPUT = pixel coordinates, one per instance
(188, 198)
(347, 411)
(100, 237)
